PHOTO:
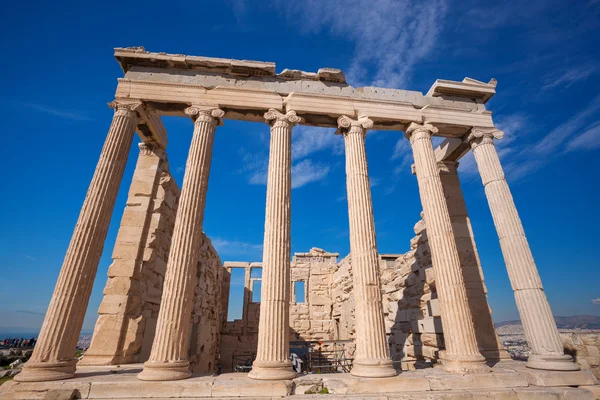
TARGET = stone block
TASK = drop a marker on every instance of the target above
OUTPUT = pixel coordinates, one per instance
(129, 268)
(477, 381)
(119, 304)
(224, 386)
(595, 390)
(193, 387)
(122, 285)
(61, 394)
(559, 378)
(428, 325)
(130, 234)
(433, 308)
(493, 394)
(388, 385)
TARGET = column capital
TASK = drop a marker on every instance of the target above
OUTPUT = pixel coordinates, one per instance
(276, 118)
(125, 108)
(347, 124)
(479, 135)
(205, 113)
(416, 131)
(448, 167)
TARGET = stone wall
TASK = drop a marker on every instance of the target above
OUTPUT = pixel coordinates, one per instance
(585, 347)
(313, 318)
(310, 320)
(410, 304)
(126, 325)
(207, 311)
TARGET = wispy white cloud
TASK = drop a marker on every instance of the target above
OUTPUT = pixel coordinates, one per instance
(306, 171)
(588, 140)
(566, 78)
(233, 248)
(256, 166)
(402, 156)
(389, 36)
(596, 301)
(27, 256)
(553, 140)
(520, 159)
(311, 139)
(67, 114)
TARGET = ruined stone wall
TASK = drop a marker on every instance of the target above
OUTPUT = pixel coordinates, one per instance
(409, 302)
(585, 347)
(310, 320)
(313, 318)
(410, 305)
(126, 325)
(207, 311)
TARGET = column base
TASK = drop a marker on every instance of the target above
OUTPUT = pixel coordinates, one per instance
(165, 371)
(373, 368)
(460, 364)
(97, 360)
(272, 370)
(562, 362)
(495, 355)
(42, 372)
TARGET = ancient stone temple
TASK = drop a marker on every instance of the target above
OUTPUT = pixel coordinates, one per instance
(407, 323)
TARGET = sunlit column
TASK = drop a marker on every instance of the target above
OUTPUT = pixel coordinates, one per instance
(487, 339)
(273, 352)
(54, 355)
(538, 323)
(170, 349)
(372, 358)
(462, 353)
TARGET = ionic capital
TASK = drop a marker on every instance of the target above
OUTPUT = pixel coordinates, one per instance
(276, 118)
(203, 113)
(125, 108)
(418, 131)
(348, 125)
(479, 136)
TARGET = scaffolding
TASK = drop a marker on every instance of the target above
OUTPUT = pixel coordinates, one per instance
(324, 356)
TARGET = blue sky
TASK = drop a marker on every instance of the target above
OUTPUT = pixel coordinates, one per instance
(58, 73)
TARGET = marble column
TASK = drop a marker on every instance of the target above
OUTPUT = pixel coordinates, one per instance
(170, 349)
(462, 353)
(487, 339)
(54, 355)
(273, 351)
(372, 358)
(538, 323)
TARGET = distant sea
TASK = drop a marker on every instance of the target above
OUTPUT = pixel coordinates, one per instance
(29, 334)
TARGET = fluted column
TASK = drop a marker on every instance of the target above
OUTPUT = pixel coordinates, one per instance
(462, 353)
(54, 355)
(169, 356)
(487, 339)
(372, 358)
(538, 323)
(273, 351)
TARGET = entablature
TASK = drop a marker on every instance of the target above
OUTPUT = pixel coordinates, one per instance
(167, 84)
